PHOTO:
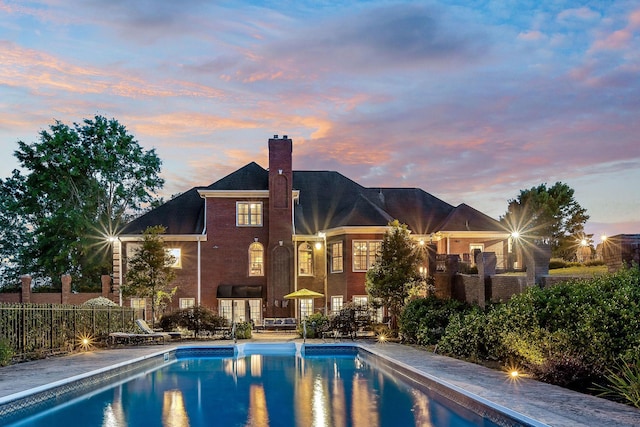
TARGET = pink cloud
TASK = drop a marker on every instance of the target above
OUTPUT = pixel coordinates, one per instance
(533, 35)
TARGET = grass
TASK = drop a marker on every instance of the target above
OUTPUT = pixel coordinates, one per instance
(597, 270)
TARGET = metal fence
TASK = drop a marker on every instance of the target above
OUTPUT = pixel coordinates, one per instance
(38, 330)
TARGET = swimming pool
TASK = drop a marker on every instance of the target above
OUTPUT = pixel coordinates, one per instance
(258, 385)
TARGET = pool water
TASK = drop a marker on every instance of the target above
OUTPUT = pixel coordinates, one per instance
(259, 390)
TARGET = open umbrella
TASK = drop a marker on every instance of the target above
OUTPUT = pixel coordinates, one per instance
(303, 293)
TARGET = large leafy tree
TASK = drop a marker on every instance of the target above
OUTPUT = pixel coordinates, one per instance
(149, 271)
(75, 186)
(549, 214)
(395, 276)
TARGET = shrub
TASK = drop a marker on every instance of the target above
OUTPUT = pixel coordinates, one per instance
(99, 302)
(315, 324)
(196, 319)
(566, 334)
(557, 263)
(243, 330)
(6, 352)
(423, 321)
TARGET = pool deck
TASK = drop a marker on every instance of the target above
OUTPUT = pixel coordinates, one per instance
(547, 404)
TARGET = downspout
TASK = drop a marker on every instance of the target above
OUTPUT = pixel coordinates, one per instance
(198, 302)
(120, 272)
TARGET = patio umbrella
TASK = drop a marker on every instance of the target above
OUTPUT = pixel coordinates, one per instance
(303, 293)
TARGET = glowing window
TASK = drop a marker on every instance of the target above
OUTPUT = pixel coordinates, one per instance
(365, 253)
(305, 260)
(336, 257)
(256, 259)
(249, 214)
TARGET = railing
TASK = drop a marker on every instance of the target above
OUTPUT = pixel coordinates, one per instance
(38, 330)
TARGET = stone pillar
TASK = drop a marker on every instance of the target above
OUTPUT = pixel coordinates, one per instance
(26, 289)
(105, 279)
(66, 288)
(536, 258)
(486, 262)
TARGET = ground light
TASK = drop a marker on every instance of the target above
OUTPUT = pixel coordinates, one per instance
(382, 338)
(85, 341)
(514, 372)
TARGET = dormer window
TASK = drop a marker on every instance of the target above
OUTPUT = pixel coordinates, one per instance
(249, 214)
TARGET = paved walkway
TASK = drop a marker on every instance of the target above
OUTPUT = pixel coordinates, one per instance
(545, 403)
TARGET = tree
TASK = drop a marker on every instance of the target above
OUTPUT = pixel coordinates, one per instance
(550, 215)
(396, 275)
(149, 273)
(79, 185)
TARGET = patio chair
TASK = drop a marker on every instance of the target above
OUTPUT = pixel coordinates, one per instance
(144, 326)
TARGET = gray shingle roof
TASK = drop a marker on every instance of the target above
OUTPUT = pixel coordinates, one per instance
(328, 200)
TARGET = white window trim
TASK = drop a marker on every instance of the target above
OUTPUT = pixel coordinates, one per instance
(238, 203)
(369, 262)
(311, 266)
(341, 256)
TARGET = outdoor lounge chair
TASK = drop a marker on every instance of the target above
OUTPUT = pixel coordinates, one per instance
(147, 335)
(144, 326)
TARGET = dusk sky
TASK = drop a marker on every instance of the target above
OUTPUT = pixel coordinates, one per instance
(471, 101)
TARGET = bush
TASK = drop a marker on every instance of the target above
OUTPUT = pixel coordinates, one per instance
(316, 324)
(557, 263)
(243, 330)
(566, 334)
(6, 352)
(423, 321)
(196, 319)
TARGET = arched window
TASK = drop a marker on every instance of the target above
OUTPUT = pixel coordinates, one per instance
(305, 260)
(256, 259)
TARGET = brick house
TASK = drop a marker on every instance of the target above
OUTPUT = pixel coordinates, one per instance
(247, 240)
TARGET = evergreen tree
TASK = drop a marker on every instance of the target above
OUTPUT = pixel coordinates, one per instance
(395, 276)
(149, 272)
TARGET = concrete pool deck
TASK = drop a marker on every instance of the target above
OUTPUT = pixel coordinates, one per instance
(548, 404)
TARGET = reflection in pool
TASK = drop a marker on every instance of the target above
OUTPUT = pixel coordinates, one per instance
(260, 390)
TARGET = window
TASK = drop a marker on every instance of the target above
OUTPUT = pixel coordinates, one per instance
(365, 253)
(249, 214)
(187, 302)
(306, 307)
(360, 300)
(139, 306)
(225, 308)
(256, 259)
(336, 304)
(305, 260)
(336, 257)
(138, 303)
(176, 253)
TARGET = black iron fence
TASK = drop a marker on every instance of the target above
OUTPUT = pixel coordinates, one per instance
(38, 330)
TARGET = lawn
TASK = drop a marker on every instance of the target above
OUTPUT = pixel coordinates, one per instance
(597, 270)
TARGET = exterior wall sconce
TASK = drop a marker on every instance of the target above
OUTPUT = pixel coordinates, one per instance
(280, 242)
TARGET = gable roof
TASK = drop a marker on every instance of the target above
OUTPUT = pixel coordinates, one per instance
(249, 177)
(327, 200)
(466, 218)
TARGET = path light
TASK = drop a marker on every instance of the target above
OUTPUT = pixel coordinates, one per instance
(382, 338)
(85, 341)
(514, 372)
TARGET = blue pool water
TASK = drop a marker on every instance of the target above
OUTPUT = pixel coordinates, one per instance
(259, 390)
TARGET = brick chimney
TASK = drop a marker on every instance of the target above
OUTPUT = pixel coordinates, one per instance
(280, 248)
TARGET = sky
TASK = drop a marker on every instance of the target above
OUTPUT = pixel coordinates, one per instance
(472, 101)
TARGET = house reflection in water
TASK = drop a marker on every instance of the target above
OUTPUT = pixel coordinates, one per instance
(174, 413)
